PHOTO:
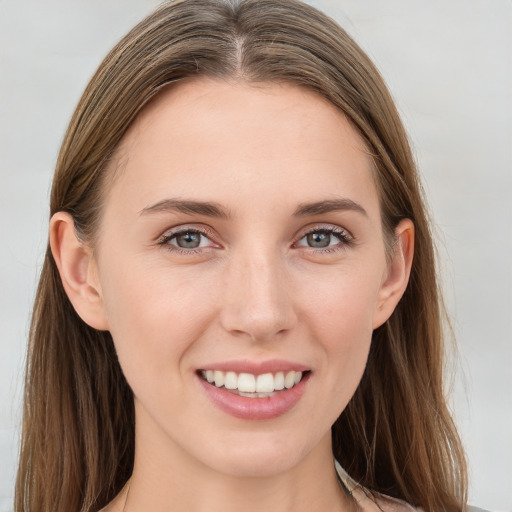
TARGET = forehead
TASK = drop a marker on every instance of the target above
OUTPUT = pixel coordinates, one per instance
(198, 105)
(214, 138)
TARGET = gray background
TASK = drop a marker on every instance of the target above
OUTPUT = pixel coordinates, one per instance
(448, 64)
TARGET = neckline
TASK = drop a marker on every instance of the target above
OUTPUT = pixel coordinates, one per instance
(365, 498)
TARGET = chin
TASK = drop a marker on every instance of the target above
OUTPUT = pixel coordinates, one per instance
(258, 456)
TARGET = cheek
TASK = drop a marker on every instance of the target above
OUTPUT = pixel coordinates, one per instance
(342, 304)
(339, 313)
(154, 318)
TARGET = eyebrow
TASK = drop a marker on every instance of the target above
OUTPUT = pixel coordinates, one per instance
(210, 209)
(205, 208)
(328, 206)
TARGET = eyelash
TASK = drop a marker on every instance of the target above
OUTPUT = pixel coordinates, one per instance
(344, 237)
(165, 240)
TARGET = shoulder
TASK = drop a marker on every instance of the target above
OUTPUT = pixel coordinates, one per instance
(373, 502)
(369, 501)
(114, 506)
(388, 504)
(108, 508)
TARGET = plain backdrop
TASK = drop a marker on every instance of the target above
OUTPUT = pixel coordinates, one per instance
(448, 65)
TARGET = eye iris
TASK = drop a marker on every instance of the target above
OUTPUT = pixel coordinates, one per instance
(319, 239)
(188, 240)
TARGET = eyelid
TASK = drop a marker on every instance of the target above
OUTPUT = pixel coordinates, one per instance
(203, 230)
(345, 240)
(346, 237)
(325, 227)
(181, 228)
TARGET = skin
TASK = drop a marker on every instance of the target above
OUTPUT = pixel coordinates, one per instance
(255, 289)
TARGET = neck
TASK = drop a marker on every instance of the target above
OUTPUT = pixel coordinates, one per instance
(168, 479)
(180, 490)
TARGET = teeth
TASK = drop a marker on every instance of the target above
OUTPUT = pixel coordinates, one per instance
(289, 380)
(246, 383)
(265, 383)
(255, 395)
(231, 380)
(251, 385)
(279, 381)
(219, 378)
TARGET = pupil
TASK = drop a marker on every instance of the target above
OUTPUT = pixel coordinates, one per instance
(188, 240)
(319, 239)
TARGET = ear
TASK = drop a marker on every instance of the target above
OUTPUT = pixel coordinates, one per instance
(397, 276)
(77, 269)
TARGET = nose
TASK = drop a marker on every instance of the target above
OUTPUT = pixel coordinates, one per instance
(257, 298)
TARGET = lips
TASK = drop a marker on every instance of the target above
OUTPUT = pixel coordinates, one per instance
(254, 391)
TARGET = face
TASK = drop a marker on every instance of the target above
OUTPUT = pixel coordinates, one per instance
(241, 244)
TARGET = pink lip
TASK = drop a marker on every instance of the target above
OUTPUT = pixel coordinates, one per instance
(256, 367)
(255, 408)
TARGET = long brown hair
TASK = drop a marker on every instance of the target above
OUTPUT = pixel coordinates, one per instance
(396, 435)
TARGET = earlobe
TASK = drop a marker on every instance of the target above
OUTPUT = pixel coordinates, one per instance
(399, 270)
(77, 269)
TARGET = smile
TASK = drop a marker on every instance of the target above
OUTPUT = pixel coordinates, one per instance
(250, 385)
(252, 391)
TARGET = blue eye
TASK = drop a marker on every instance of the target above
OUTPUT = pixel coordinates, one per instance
(186, 240)
(319, 239)
(323, 238)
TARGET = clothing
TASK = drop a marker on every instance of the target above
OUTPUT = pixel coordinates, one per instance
(370, 501)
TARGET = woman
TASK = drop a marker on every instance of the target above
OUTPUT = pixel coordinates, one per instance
(240, 284)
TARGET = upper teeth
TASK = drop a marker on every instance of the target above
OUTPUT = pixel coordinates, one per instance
(249, 383)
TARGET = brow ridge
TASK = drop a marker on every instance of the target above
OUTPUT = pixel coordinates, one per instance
(192, 207)
(212, 209)
(328, 206)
